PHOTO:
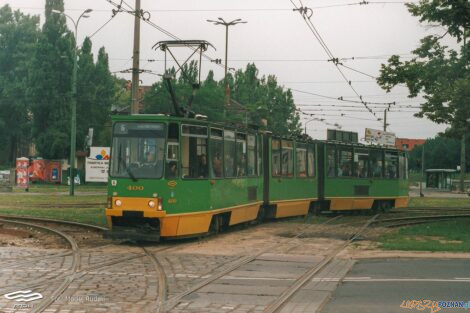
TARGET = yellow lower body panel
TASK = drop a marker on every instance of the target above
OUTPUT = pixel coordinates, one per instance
(244, 214)
(198, 223)
(292, 208)
(402, 202)
(350, 204)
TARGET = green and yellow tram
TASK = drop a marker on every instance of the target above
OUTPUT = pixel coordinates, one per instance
(176, 177)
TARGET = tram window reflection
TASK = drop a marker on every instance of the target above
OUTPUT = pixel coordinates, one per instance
(311, 161)
(194, 152)
(251, 166)
(287, 158)
(301, 161)
(391, 165)
(361, 161)
(276, 157)
(241, 155)
(331, 159)
(376, 163)
(345, 163)
(229, 153)
(172, 153)
(217, 152)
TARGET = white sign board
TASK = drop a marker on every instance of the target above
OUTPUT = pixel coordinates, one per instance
(380, 137)
(97, 165)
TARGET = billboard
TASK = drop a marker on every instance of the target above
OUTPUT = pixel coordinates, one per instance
(380, 137)
(97, 164)
(22, 175)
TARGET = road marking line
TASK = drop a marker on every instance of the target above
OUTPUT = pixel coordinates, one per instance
(255, 278)
(407, 280)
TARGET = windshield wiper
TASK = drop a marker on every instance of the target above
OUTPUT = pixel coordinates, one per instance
(128, 170)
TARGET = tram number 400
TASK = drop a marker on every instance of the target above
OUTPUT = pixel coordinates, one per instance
(135, 188)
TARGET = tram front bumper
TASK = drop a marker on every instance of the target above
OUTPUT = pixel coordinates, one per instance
(145, 213)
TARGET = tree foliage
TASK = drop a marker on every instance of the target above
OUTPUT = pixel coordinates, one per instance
(441, 75)
(50, 85)
(18, 36)
(439, 152)
(254, 98)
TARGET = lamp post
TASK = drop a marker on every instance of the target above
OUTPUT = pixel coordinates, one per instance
(221, 21)
(311, 120)
(73, 130)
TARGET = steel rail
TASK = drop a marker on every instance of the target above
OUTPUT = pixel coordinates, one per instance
(49, 220)
(172, 302)
(73, 268)
(307, 276)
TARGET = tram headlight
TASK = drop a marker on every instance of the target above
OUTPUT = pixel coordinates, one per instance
(151, 204)
(160, 204)
(118, 202)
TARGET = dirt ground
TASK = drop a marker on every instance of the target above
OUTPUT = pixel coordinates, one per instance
(275, 237)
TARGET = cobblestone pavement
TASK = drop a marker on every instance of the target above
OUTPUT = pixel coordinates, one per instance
(122, 278)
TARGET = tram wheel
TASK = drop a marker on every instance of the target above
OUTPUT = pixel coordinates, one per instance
(215, 225)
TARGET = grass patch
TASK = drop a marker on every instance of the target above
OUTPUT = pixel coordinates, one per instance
(93, 216)
(43, 188)
(18, 200)
(438, 236)
(439, 202)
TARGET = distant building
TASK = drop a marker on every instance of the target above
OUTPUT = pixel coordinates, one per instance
(407, 144)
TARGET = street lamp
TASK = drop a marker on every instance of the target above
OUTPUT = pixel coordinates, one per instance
(221, 21)
(311, 120)
(73, 131)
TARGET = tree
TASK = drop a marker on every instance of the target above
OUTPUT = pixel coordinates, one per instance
(86, 92)
(253, 98)
(18, 36)
(440, 74)
(440, 152)
(50, 85)
(106, 91)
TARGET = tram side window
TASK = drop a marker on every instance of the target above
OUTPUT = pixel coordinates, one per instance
(251, 155)
(361, 163)
(376, 163)
(311, 161)
(260, 155)
(172, 152)
(287, 159)
(331, 160)
(229, 153)
(194, 152)
(301, 161)
(401, 166)
(391, 165)
(241, 155)
(345, 163)
(276, 157)
(217, 152)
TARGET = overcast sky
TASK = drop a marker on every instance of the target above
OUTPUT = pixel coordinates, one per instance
(280, 43)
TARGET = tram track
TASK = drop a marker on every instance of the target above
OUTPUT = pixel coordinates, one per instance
(281, 300)
(413, 220)
(73, 267)
(228, 268)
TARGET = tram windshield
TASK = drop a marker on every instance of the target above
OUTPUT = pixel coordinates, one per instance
(138, 150)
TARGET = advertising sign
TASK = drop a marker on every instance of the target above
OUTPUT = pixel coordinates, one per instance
(97, 165)
(380, 137)
(22, 175)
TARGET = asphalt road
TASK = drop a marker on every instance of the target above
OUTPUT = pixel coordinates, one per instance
(385, 285)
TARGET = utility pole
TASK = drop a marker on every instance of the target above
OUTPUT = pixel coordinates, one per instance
(73, 124)
(136, 59)
(462, 164)
(221, 21)
(422, 173)
(385, 120)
